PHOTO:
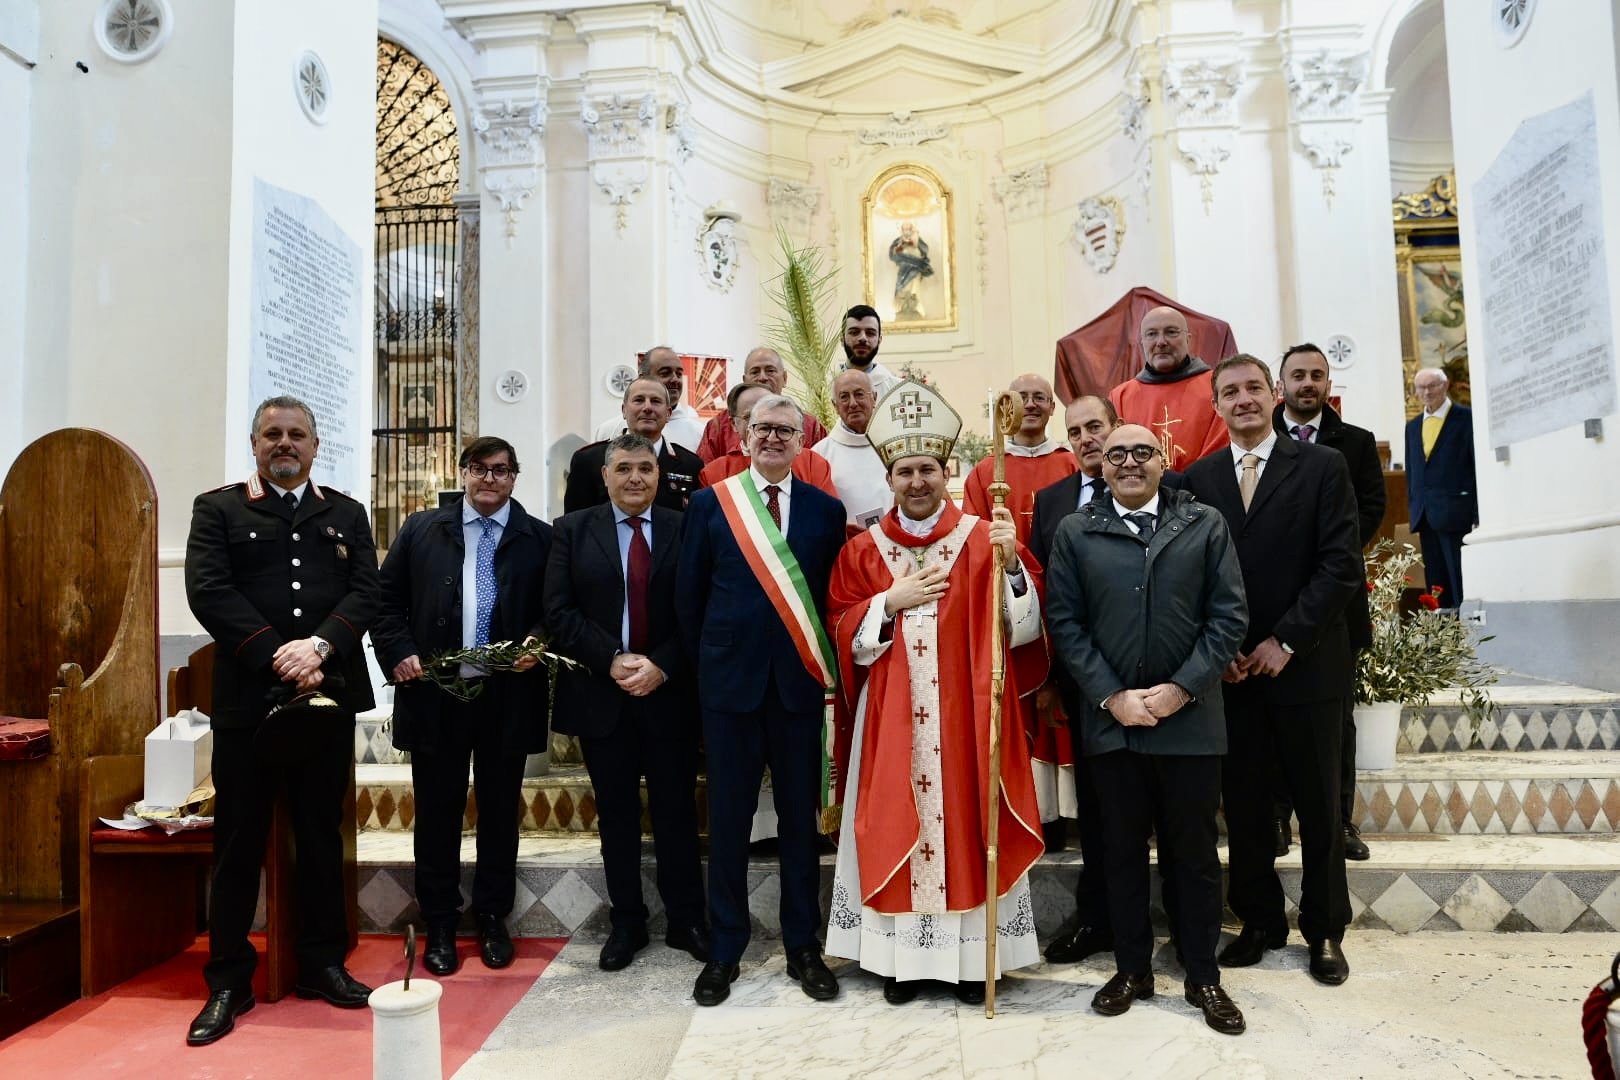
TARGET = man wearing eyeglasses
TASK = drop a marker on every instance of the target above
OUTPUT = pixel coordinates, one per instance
(1170, 395)
(811, 468)
(646, 413)
(1145, 605)
(461, 576)
(1291, 509)
(1034, 461)
(763, 365)
(751, 586)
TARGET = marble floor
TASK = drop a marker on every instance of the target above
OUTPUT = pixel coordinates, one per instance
(1436, 1005)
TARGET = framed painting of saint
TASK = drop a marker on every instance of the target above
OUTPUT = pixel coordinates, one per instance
(1429, 288)
(908, 250)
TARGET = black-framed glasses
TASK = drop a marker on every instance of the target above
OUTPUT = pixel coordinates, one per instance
(777, 431)
(1141, 453)
(499, 472)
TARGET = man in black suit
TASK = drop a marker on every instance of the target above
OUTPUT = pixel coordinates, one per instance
(466, 575)
(1292, 514)
(283, 574)
(610, 604)
(1440, 493)
(1305, 415)
(646, 411)
(757, 550)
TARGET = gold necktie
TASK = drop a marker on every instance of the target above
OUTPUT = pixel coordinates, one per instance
(1431, 432)
(1250, 478)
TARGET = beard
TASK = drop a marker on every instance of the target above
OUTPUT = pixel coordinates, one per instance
(849, 354)
(285, 468)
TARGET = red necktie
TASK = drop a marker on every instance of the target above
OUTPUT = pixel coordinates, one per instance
(773, 506)
(637, 576)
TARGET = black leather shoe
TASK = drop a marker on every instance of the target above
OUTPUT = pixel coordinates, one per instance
(1120, 992)
(810, 971)
(1355, 848)
(1251, 945)
(1328, 964)
(1219, 1012)
(714, 983)
(440, 957)
(1055, 833)
(1285, 836)
(334, 985)
(494, 943)
(1075, 945)
(621, 948)
(969, 993)
(896, 992)
(218, 1017)
(691, 939)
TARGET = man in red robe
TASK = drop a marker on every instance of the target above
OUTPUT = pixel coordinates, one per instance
(1034, 462)
(763, 365)
(811, 468)
(1171, 395)
(910, 607)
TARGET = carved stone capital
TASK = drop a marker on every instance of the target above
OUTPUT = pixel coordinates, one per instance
(510, 133)
(616, 126)
(1022, 192)
(792, 204)
(1324, 85)
(1204, 155)
(1201, 93)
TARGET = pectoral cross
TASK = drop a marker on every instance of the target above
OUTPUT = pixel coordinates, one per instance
(1166, 442)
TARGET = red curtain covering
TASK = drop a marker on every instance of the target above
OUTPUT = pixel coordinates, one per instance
(1108, 350)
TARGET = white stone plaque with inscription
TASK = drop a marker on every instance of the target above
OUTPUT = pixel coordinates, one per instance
(1543, 283)
(307, 337)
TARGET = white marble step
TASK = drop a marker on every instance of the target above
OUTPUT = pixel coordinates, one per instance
(1542, 791)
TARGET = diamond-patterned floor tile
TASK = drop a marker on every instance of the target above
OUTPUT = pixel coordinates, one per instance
(1561, 807)
(572, 900)
(1607, 903)
(1586, 729)
(1379, 809)
(1476, 906)
(1481, 808)
(1535, 808)
(1587, 804)
(1510, 729)
(382, 899)
(1550, 905)
(1406, 808)
(1535, 728)
(523, 899)
(1509, 810)
(1431, 809)
(1456, 809)
(764, 903)
(1561, 729)
(1404, 906)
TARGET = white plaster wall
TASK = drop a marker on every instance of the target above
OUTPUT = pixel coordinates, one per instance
(1548, 516)
(19, 47)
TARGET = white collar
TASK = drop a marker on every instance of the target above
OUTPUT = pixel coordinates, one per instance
(499, 517)
(1263, 451)
(760, 483)
(620, 517)
(1315, 421)
(685, 411)
(297, 491)
(844, 435)
(1440, 412)
(923, 527)
(1046, 446)
(1150, 507)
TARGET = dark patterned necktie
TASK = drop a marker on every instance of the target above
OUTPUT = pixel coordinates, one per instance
(637, 574)
(772, 505)
(1144, 524)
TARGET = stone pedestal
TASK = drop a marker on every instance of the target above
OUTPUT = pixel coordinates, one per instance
(405, 1031)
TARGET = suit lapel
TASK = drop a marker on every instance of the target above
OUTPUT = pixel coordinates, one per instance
(1228, 496)
(666, 528)
(1284, 456)
(604, 529)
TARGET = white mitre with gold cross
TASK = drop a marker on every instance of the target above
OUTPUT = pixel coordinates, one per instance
(913, 419)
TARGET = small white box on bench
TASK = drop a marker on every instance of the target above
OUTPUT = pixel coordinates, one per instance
(179, 756)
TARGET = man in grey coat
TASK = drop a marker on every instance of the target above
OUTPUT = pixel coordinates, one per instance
(1146, 607)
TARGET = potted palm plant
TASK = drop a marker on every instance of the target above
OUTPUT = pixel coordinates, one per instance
(1413, 656)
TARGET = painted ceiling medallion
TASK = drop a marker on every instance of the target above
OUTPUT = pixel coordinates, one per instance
(1512, 17)
(131, 31)
(313, 86)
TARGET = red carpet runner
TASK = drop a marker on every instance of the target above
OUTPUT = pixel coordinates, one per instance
(138, 1030)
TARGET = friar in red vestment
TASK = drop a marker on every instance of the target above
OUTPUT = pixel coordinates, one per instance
(1034, 462)
(1171, 396)
(763, 366)
(910, 608)
(811, 468)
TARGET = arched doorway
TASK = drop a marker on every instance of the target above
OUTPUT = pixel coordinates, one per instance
(420, 327)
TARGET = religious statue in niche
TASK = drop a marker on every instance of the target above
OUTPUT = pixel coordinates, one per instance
(908, 250)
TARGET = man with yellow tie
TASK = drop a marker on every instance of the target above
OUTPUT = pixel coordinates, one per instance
(1440, 492)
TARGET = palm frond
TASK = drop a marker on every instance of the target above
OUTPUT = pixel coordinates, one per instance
(804, 331)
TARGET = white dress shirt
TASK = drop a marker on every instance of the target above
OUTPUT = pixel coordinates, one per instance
(1444, 408)
(472, 532)
(1315, 423)
(1263, 452)
(1090, 488)
(783, 498)
(1149, 507)
(282, 492)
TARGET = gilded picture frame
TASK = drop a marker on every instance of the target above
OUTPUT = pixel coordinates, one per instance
(1429, 289)
(908, 249)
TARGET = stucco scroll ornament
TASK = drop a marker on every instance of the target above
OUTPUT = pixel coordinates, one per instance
(1204, 157)
(903, 128)
(792, 204)
(1202, 92)
(1023, 191)
(1326, 147)
(1098, 230)
(616, 126)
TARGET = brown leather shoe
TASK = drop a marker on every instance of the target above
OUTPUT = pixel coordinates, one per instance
(1219, 1012)
(1120, 992)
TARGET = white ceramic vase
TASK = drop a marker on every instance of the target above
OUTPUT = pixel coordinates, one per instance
(1377, 727)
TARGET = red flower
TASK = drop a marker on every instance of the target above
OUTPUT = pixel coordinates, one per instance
(1430, 601)
(1369, 586)
(1436, 590)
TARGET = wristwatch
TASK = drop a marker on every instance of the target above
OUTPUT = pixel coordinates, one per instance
(1287, 648)
(323, 648)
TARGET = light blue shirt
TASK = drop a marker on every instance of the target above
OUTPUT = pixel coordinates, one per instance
(472, 533)
(625, 532)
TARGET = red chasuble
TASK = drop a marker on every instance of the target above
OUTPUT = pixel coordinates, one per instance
(1026, 476)
(887, 826)
(1183, 408)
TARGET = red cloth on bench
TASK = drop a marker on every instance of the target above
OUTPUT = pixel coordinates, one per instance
(152, 834)
(24, 740)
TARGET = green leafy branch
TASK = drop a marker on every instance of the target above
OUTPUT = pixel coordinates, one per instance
(805, 337)
(444, 669)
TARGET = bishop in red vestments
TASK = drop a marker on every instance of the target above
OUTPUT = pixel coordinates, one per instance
(909, 607)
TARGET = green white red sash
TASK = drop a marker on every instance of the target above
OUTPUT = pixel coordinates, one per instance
(777, 569)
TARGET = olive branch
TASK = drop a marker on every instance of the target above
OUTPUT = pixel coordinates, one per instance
(444, 669)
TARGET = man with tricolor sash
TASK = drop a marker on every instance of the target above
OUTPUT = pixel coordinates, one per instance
(756, 553)
(911, 605)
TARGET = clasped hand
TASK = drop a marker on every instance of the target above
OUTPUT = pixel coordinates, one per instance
(297, 662)
(1268, 658)
(1145, 708)
(636, 675)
